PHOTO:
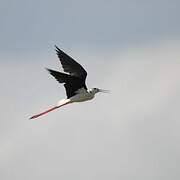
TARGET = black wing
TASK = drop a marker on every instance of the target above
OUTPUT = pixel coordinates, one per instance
(71, 83)
(70, 65)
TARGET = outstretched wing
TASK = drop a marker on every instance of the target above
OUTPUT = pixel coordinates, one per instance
(70, 65)
(60, 77)
(71, 83)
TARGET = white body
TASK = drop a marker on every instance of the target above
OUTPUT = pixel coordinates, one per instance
(82, 95)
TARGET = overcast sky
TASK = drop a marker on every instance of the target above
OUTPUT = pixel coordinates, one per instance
(131, 47)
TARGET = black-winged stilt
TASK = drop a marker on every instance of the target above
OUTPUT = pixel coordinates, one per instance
(73, 80)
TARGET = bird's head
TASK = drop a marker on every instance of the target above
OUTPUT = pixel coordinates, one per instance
(96, 90)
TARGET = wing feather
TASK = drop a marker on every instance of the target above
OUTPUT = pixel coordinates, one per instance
(70, 65)
(71, 83)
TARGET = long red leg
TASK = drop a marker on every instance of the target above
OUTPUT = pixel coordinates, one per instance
(47, 111)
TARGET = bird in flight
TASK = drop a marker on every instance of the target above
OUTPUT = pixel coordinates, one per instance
(74, 82)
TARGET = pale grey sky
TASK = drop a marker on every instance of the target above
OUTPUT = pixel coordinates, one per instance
(35, 26)
(129, 47)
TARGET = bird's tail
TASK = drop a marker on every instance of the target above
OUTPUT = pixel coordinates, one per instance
(59, 104)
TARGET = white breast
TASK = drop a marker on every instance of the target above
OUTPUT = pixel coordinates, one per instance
(82, 95)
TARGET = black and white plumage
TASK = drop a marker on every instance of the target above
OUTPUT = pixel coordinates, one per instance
(74, 82)
(77, 75)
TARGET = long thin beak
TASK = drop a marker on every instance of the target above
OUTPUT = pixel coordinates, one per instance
(104, 91)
